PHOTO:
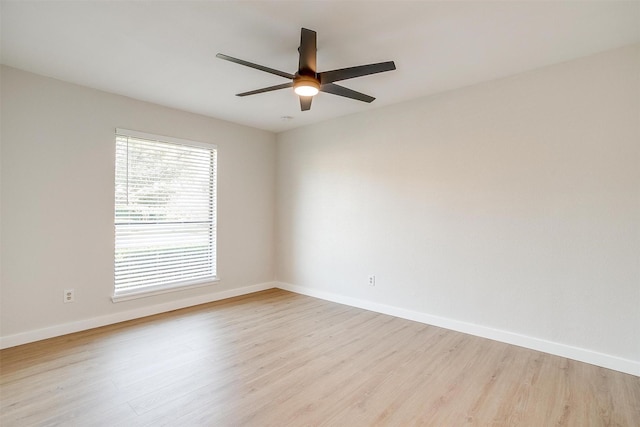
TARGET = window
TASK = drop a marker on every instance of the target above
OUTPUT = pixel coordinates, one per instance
(165, 214)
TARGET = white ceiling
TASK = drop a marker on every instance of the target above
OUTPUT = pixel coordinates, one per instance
(164, 52)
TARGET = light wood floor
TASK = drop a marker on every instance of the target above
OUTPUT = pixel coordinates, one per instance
(281, 359)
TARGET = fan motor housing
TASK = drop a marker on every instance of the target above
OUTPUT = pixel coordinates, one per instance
(305, 81)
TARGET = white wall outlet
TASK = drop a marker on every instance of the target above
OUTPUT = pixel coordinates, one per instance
(69, 295)
(372, 280)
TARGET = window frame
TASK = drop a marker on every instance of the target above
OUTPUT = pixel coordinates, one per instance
(123, 295)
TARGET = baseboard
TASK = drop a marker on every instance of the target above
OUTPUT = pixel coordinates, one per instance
(109, 319)
(583, 355)
(580, 354)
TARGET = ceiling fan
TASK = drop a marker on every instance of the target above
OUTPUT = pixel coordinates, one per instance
(307, 82)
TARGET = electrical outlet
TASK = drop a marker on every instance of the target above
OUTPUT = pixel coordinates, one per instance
(372, 280)
(69, 295)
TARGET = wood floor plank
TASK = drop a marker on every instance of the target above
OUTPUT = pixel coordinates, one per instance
(276, 358)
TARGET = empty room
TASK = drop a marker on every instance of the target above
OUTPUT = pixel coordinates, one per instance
(319, 213)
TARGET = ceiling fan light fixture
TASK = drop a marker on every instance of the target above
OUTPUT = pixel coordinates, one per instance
(307, 81)
(306, 86)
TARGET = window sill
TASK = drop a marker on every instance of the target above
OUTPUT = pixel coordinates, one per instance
(163, 289)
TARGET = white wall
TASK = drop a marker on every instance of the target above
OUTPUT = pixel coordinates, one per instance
(57, 204)
(511, 206)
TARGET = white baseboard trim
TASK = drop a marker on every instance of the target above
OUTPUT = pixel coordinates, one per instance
(109, 319)
(583, 355)
(580, 354)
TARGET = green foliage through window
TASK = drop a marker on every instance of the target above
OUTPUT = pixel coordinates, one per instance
(165, 219)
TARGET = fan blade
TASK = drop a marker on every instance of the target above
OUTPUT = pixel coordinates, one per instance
(347, 93)
(305, 103)
(266, 89)
(307, 50)
(256, 66)
(351, 72)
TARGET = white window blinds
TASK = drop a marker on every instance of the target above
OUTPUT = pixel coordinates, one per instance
(165, 213)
